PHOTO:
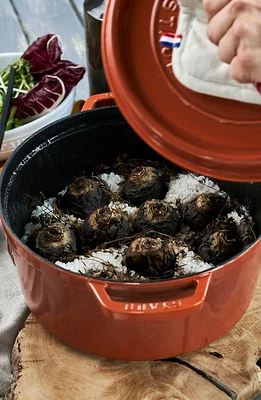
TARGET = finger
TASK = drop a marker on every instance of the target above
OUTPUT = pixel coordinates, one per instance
(224, 19)
(228, 46)
(240, 37)
(212, 7)
(245, 67)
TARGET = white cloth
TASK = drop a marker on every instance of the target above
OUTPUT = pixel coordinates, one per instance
(196, 63)
(13, 313)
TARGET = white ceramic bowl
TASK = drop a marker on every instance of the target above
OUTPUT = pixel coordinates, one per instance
(16, 136)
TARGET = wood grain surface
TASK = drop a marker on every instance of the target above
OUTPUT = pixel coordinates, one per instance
(12, 36)
(45, 368)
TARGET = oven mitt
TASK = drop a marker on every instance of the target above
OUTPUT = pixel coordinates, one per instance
(196, 63)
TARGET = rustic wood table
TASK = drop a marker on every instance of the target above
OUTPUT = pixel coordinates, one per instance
(44, 368)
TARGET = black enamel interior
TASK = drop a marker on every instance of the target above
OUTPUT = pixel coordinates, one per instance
(74, 144)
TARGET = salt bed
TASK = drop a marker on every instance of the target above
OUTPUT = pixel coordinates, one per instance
(182, 187)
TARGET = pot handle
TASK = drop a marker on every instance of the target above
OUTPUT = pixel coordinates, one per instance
(150, 310)
(99, 100)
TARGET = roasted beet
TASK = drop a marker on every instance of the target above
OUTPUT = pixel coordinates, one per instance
(84, 196)
(221, 242)
(203, 209)
(144, 183)
(103, 225)
(150, 257)
(55, 240)
(157, 215)
(246, 232)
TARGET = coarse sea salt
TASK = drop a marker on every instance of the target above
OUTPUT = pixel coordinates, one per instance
(238, 218)
(113, 181)
(189, 263)
(96, 261)
(45, 208)
(185, 187)
(235, 216)
(124, 207)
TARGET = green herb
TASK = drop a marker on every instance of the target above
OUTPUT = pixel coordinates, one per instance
(23, 82)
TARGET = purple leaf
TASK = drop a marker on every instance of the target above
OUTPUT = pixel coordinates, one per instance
(43, 97)
(69, 72)
(55, 78)
(43, 53)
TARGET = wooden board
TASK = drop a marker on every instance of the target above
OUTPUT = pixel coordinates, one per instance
(44, 368)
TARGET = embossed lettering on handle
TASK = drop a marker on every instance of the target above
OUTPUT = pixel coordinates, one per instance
(152, 310)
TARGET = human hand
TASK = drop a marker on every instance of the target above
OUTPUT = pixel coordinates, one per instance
(235, 27)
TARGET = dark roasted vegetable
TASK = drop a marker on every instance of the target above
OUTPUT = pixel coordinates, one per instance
(83, 197)
(103, 225)
(144, 183)
(55, 240)
(150, 257)
(157, 215)
(246, 232)
(203, 209)
(221, 242)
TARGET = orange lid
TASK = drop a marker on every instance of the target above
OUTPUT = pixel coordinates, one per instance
(209, 135)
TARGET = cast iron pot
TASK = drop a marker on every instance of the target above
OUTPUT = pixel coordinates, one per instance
(130, 321)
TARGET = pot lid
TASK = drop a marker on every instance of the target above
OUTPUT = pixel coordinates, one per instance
(216, 137)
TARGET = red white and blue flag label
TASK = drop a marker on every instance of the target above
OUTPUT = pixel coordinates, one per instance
(170, 39)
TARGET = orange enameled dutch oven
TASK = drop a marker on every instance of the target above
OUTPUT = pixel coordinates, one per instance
(120, 320)
(144, 320)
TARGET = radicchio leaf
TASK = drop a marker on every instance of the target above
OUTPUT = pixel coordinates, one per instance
(44, 57)
(55, 78)
(69, 73)
(43, 53)
(43, 97)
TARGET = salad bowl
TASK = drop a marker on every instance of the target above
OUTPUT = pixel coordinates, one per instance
(14, 137)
